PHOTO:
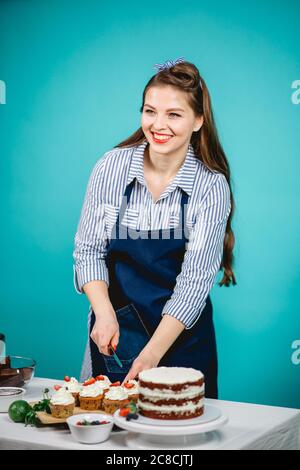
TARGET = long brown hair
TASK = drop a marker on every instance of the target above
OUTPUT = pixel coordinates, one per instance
(206, 144)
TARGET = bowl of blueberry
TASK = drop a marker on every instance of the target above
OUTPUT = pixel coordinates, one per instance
(90, 428)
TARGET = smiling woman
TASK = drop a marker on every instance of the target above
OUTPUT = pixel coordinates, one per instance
(148, 280)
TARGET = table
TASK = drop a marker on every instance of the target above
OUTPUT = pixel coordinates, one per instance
(249, 427)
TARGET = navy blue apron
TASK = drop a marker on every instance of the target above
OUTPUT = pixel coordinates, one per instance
(143, 266)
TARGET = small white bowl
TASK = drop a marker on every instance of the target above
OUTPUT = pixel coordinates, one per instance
(8, 395)
(92, 434)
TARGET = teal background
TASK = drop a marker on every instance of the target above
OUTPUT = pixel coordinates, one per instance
(74, 80)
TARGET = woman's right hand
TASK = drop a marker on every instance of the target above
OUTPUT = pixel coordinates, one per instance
(106, 330)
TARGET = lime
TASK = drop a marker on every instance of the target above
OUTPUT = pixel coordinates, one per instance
(18, 410)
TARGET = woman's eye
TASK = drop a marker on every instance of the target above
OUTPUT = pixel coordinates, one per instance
(150, 111)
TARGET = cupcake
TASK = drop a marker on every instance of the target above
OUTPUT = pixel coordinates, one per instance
(132, 388)
(91, 395)
(62, 404)
(103, 382)
(115, 398)
(74, 387)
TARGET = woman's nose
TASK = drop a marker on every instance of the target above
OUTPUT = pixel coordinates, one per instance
(159, 125)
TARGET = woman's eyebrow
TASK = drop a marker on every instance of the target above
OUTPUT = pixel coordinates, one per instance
(171, 109)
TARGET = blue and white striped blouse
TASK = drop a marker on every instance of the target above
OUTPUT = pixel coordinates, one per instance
(207, 213)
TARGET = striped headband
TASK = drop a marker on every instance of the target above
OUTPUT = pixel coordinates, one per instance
(168, 64)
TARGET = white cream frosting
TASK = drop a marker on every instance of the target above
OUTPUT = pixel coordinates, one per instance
(133, 390)
(170, 375)
(73, 386)
(116, 393)
(156, 394)
(62, 397)
(91, 391)
(105, 383)
(189, 406)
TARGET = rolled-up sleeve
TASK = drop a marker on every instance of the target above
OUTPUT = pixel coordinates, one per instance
(202, 259)
(91, 237)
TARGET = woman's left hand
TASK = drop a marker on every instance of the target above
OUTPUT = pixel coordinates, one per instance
(145, 360)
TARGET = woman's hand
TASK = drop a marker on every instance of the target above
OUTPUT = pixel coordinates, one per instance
(145, 360)
(106, 330)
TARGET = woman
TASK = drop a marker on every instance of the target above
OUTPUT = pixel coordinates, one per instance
(154, 231)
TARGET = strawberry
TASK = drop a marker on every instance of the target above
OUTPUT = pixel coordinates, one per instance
(124, 411)
(89, 381)
(67, 378)
(128, 385)
(115, 384)
(57, 387)
(100, 377)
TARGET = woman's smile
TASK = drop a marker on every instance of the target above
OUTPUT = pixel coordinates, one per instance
(160, 138)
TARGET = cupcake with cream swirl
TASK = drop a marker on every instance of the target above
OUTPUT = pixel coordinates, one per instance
(91, 395)
(62, 404)
(103, 382)
(115, 398)
(74, 387)
(132, 388)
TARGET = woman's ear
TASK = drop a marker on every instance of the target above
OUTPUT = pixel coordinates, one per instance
(198, 123)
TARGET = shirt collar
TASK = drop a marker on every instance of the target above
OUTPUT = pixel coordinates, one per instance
(184, 178)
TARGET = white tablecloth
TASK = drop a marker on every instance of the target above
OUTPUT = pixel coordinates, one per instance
(249, 427)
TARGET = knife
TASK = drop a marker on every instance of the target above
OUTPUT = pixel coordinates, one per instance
(115, 356)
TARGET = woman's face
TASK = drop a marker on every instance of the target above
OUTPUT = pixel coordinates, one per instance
(167, 112)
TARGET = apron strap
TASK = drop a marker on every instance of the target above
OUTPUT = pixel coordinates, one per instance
(184, 207)
(125, 200)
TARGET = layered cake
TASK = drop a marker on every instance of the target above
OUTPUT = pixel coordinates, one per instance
(171, 393)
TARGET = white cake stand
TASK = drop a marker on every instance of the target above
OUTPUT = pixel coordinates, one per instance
(148, 433)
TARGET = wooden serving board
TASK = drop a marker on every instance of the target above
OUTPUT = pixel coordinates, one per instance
(46, 418)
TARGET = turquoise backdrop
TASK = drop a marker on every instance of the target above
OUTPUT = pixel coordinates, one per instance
(72, 79)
